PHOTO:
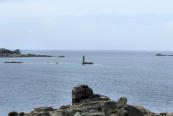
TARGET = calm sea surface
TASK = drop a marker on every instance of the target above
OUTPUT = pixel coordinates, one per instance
(142, 77)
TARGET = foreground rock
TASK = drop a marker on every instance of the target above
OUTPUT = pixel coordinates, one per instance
(86, 103)
(16, 53)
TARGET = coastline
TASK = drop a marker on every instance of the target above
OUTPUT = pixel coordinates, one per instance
(6, 53)
(114, 88)
(86, 103)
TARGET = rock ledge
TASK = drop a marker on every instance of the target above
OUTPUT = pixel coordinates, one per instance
(86, 103)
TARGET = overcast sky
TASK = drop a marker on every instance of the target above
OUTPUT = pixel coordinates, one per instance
(87, 24)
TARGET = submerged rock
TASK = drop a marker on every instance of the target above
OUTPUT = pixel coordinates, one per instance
(86, 103)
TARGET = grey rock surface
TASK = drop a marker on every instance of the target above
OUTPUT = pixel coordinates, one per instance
(86, 103)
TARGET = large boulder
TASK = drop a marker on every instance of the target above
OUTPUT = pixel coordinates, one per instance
(13, 113)
(109, 107)
(21, 114)
(131, 111)
(80, 93)
(122, 102)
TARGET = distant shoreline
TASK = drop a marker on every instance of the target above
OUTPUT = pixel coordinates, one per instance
(5, 53)
(164, 55)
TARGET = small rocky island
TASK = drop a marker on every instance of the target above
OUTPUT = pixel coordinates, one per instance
(17, 53)
(84, 62)
(86, 103)
(164, 55)
(13, 62)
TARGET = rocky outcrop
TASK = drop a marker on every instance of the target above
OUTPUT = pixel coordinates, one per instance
(16, 53)
(86, 103)
(84, 62)
(82, 93)
(5, 52)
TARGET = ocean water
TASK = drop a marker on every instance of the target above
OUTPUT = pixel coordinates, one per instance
(142, 77)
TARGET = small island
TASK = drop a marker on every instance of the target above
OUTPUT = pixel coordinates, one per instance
(13, 62)
(164, 55)
(61, 56)
(84, 62)
(17, 53)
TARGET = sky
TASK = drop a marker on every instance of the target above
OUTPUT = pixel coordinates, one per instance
(87, 24)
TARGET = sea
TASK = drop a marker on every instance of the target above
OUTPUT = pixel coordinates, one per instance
(142, 77)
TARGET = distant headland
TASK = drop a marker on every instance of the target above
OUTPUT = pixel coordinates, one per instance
(164, 54)
(17, 53)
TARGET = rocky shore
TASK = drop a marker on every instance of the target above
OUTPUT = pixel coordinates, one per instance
(86, 103)
(16, 53)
